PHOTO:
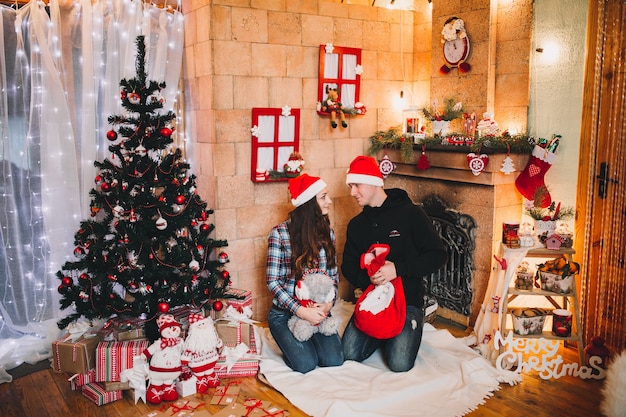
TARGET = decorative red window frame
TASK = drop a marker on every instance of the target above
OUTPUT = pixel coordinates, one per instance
(271, 151)
(339, 81)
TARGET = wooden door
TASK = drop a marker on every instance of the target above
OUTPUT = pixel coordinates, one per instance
(601, 196)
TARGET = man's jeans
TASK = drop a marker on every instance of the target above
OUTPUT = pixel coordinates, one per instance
(319, 350)
(400, 352)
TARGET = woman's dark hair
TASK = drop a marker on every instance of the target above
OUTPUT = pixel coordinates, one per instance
(309, 231)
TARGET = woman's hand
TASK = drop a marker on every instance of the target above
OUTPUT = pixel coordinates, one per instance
(385, 274)
(314, 315)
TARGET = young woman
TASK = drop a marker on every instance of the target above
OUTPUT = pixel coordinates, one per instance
(305, 241)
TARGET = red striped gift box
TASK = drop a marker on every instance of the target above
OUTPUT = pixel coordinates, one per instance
(246, 366)
(96, 393)
(115, 356)
(78, 380)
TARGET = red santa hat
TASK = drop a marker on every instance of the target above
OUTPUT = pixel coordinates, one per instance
(304, 187)
(166, 320)
(364, 170)
(195, 318)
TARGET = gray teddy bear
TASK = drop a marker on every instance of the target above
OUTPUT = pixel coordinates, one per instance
(313, 288)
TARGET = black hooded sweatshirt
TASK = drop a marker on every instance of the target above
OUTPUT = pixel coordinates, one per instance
(416, 248)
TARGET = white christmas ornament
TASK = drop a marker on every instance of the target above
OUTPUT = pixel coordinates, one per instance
(508, 166)
(194, 265)
(161, 223)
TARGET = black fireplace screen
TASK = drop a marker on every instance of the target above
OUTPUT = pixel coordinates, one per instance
(452, 284)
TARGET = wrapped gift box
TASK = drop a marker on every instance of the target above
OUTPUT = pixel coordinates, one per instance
(74, 357)
(225, 395)
(96, 393)
(78, 380)
(115, 356)
(186, 387)
(248, 365)
(233, 333)
(116, 386)
(243, 298)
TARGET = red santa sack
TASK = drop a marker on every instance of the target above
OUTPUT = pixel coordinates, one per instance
(380, 311)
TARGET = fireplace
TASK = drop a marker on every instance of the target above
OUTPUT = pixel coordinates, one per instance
(479, 204)
(452, 284)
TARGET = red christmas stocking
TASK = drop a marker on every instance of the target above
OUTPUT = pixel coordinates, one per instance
(530, 183)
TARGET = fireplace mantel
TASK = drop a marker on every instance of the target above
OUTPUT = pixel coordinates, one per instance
(490, 198)
(453, 166)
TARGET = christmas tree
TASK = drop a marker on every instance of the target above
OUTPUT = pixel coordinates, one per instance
(147, 246)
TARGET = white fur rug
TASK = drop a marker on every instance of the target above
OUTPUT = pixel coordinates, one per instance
(613, 401)
(449, 379)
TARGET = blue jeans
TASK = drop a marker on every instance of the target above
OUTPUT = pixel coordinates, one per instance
(399, 352)
(319, 350)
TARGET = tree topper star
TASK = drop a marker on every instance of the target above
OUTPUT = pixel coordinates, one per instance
(286, 111)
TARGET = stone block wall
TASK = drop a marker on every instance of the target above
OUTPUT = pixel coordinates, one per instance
(241, 54)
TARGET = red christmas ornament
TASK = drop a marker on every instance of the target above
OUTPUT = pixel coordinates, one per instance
(180, 199)
(112, 277)
(193, 223)
(166, 131)
(204, 227)
(98, 179)
(203, 216)
(111, 135)
(66, 281)
(79, 252)
(84, 276)
(218, 305)
(164, 307)
(423, 163)
(134, 98)
(477, 163)
(63, 289)
(106, 187)
(222, 257)
(225, 274)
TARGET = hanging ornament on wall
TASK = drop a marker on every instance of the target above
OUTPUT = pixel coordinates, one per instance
(423, 163)
(386, 166)
(508, 166)
(477, 163)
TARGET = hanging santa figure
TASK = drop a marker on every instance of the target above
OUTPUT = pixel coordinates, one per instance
(165, 364)
(201, 351)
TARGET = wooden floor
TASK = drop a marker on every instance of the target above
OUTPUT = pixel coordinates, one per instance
(46, 393)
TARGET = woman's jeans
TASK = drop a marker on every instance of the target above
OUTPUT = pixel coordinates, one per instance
(319, 350)
(400, 352)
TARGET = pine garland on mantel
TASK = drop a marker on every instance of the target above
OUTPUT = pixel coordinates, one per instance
(392, 138)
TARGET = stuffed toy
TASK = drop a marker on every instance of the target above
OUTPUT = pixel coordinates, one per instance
(201, 350)
(314, 287)
(333, 106)
(165, 363)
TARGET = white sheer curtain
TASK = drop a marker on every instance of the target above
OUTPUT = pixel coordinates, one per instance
(60, 68)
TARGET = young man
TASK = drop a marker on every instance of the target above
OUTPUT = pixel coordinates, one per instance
(416, 250)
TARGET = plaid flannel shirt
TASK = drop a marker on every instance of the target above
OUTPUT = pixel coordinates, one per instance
(280, 281)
